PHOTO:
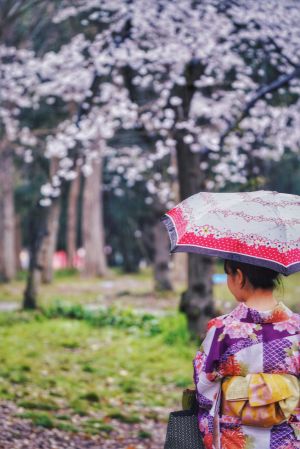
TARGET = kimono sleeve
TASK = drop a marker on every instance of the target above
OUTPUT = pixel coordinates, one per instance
(207, 376)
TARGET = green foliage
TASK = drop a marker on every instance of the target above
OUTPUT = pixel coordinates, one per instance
(67, 427)
(11, 318)
(105, 366)
(96, 426)
(39, 419)
(62, 417)
(279, 176)
(124, 215)
(91, 397)
(22, 275)
(88, 368)
(144, 434)
(174, 330)
(46, 406)
(183, 382)
(111, 316)
(65, 273)
(128, 385)
(129, 419)
(17, 377)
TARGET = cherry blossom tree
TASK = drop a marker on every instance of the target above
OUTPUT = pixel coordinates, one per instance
(217, 83)
(14, 83)
(213, 83)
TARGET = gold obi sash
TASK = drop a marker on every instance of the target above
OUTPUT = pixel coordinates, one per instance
(261, 400)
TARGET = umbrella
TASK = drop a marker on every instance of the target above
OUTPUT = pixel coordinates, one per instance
(260, 228)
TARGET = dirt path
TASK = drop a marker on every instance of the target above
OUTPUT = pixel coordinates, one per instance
(9, 306)
(122, 291)
(16, 433)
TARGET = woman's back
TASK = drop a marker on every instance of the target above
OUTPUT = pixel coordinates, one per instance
(242, 343)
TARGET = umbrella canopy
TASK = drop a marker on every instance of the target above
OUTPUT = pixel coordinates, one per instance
(260, 228)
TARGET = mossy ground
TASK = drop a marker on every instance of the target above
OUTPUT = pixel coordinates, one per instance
(59, 369)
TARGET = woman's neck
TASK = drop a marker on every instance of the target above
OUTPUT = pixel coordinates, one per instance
(260, 300)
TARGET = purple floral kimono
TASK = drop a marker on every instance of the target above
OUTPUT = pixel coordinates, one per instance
(243, 342)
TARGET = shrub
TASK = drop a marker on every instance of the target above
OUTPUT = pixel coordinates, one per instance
(174, 329)
(111, 316)
(39, 419)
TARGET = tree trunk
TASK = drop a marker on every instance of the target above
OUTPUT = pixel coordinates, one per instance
(18, 241)
(71, 236)
(7, 215)
(93, 226)
(30, 300)
(38, 231)
(197, 301)
(161, 257)
(179, 272)
(49, 243)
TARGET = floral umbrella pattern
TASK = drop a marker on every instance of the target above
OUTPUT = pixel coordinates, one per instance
(262, 228)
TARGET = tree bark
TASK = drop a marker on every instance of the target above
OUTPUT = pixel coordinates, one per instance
(72, 214)
(49, 243)
(93, 226)
(7, 215)
(179, 272)
(162, 277)
(197, 301)
(38, 231)
(18, 241)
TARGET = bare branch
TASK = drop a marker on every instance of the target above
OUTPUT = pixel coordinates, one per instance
(261, 93)
(279, 50)
(14, 10)
(94, 87)
(17, 10)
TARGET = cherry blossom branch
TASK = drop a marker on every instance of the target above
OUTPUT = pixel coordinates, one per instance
(280, 51)
(81, 109)
(261, 93)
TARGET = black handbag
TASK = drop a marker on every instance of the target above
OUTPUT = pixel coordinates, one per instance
(182, 430)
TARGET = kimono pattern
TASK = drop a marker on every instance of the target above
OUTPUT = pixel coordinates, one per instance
(243, 342)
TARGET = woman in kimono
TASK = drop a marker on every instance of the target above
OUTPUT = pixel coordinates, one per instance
(247, 369)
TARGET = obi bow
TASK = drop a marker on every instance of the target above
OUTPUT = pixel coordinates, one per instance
(262, 399)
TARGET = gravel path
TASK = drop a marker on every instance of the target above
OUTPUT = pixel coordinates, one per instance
(17, 433)
(9, 306)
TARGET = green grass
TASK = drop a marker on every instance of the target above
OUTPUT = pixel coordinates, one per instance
(44, 369)
(144, 434)
(113, 364)
(39, 419)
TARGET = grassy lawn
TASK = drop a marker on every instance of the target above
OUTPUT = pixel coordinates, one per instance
(79, 374)
(59, 369)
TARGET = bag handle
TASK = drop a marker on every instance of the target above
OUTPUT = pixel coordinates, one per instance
(189, 400)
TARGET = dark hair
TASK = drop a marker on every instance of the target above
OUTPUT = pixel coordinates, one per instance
(259, 277)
